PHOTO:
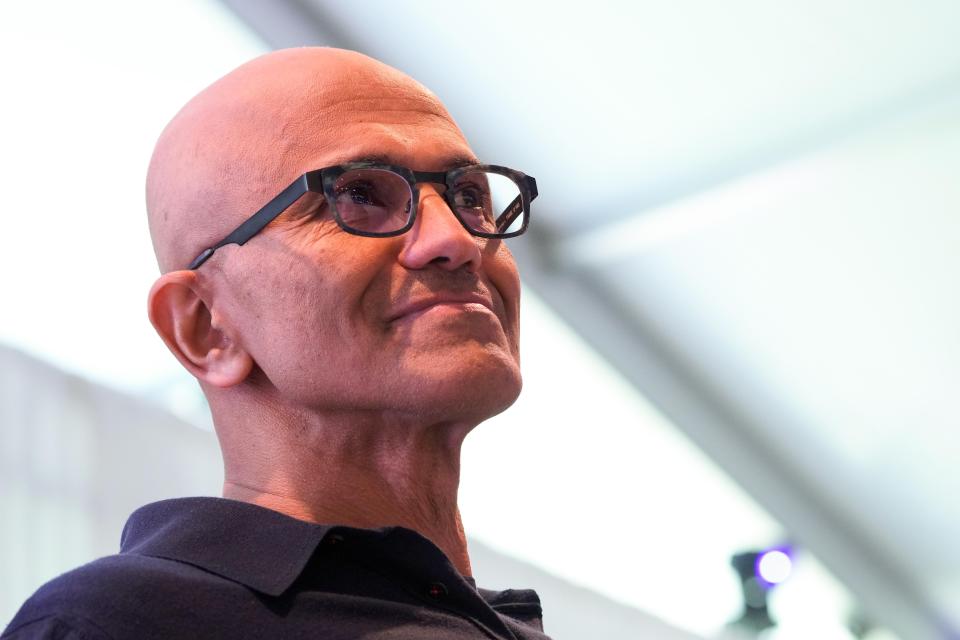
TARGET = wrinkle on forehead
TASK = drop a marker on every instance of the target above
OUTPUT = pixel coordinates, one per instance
(232, 147)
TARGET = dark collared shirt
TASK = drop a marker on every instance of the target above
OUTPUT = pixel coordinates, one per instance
(217, 568)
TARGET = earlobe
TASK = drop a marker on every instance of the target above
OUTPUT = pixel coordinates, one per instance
(182, 317)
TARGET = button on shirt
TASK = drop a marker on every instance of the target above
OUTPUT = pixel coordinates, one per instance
(218, 568)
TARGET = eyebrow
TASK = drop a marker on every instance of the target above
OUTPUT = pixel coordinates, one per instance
(454, 162)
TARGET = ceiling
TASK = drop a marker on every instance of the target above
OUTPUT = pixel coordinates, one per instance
(750, 209)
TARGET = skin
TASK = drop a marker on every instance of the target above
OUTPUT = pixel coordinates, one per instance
(328, 407)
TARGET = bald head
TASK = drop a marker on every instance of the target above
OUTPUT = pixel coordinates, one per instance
(249, 134)
(309, 321)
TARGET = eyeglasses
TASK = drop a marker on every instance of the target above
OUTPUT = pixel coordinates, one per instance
(381, 200)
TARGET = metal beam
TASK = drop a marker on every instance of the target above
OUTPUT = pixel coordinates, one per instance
(289, 23)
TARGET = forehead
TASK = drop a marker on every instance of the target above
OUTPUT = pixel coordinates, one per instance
(397, 122)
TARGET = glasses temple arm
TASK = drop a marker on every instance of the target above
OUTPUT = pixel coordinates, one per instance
(255, 223)
(515, 208)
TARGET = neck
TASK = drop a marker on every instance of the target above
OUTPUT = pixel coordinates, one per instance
(356, 469)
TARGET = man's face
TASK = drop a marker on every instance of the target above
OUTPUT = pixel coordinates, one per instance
(423, 323)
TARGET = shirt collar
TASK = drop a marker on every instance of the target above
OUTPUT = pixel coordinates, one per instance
(246, 543)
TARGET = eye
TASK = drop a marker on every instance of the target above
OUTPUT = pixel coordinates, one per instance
(469, 197)
(360, 193)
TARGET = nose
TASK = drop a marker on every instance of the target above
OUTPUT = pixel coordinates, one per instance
(437, 238)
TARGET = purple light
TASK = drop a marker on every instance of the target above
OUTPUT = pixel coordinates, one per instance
(774, 565)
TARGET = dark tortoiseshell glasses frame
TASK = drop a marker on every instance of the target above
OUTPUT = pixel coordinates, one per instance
(323, 181)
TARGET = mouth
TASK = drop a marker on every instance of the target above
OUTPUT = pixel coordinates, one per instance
(444, 304)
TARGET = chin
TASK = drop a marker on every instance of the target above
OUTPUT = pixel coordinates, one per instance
(469, 387)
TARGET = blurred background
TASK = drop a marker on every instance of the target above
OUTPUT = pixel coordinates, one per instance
(740, 323)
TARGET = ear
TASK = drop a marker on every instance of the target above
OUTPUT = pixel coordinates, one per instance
(181, 315)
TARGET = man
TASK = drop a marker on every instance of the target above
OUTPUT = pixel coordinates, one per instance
(347, 336)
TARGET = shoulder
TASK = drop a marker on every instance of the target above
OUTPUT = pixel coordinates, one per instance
(68, 605)
(54, 628)
(93, 601)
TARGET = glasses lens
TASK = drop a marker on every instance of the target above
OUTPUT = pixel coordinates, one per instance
(489, 202)
(372, 200)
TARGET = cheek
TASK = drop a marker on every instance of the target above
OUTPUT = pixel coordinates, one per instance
(504, 277)
(276, 305)
(300, 311)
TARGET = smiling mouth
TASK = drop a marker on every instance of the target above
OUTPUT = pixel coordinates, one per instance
(442, 306)
(445, 308)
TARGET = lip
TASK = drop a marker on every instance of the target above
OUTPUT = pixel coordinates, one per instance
(423, 304)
